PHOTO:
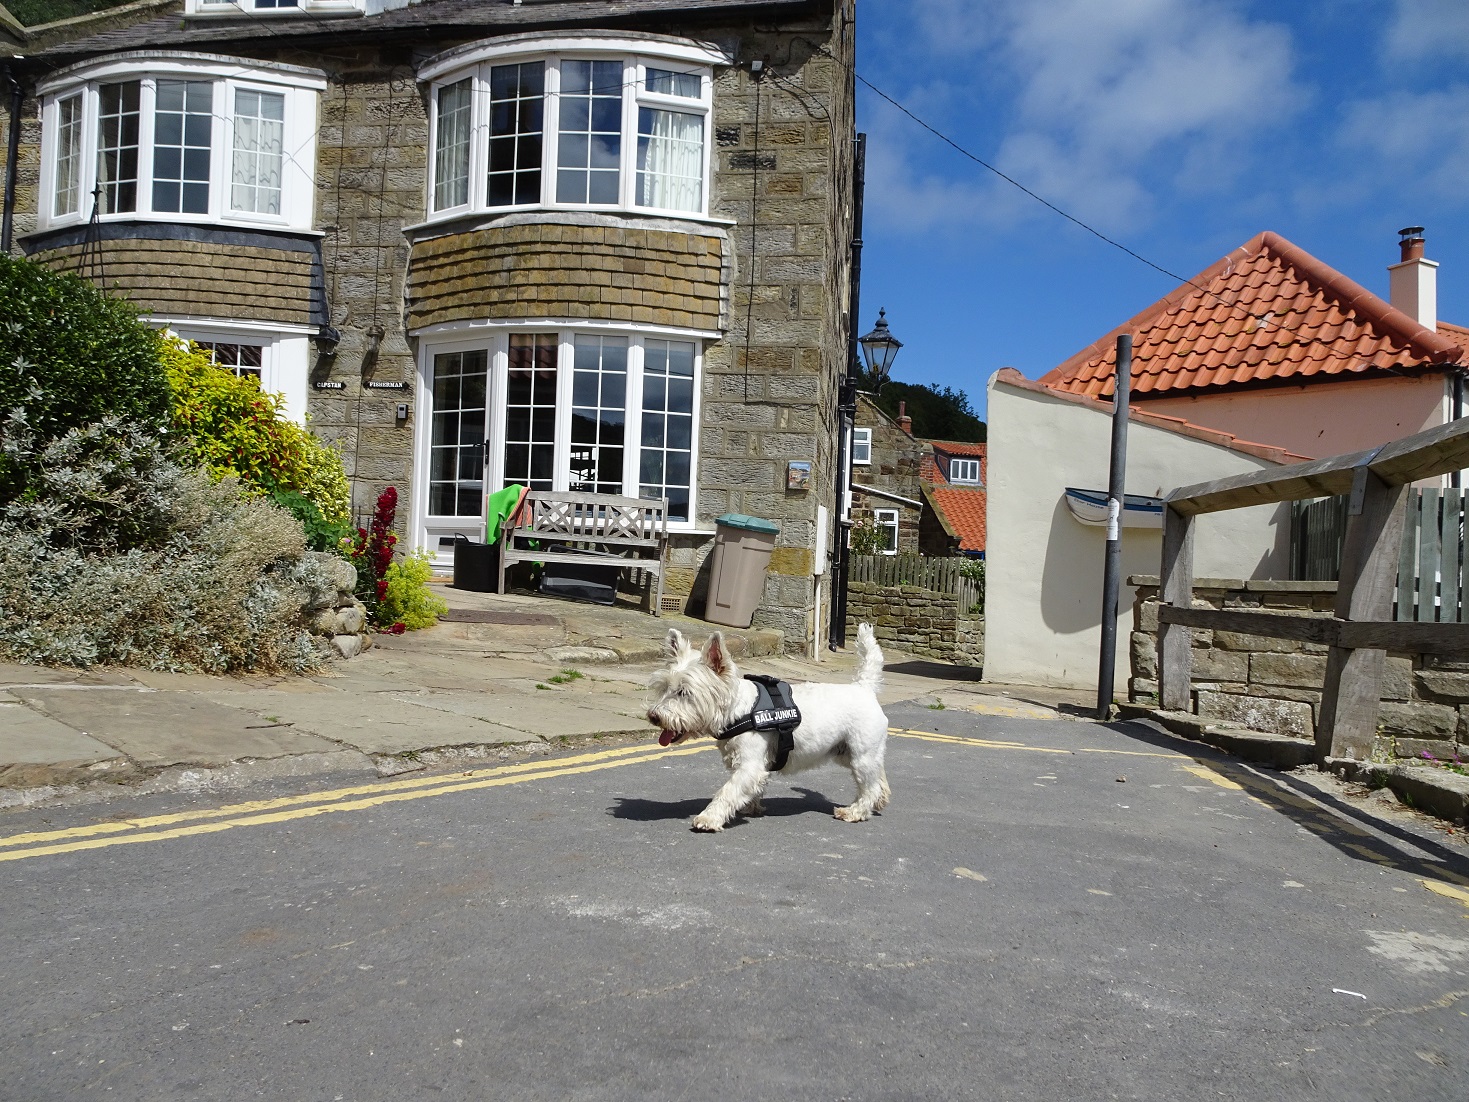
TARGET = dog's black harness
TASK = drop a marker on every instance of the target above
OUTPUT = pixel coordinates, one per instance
(775, 709)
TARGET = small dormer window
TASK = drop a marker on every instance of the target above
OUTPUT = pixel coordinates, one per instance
(964, 472)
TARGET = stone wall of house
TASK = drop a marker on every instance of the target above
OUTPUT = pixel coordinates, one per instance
(1265, 684)
(920, 621)
(896, 458)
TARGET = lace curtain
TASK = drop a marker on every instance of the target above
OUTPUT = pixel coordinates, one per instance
(670, 160)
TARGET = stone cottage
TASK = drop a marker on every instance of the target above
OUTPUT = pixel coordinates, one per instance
(577, 245)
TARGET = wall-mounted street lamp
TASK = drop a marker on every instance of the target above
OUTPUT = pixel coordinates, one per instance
(879, 349)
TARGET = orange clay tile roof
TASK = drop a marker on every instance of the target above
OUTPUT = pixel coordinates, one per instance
(1267, 312)
(963, 508)
(1011, 377)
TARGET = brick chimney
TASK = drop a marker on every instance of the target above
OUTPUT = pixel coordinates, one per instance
(904, 421)
(1413, 282)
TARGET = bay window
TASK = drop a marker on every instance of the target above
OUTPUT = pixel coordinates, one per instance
(575, 410)
(176, 137)
(577, 128)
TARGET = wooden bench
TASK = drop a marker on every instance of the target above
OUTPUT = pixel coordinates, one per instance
(633, 528)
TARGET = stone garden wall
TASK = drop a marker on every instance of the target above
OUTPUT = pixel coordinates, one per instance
(1274, 685)
(920, 621)
(338, 618)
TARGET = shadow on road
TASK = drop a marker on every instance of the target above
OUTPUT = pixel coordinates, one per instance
(1326, 815)
(652, 811)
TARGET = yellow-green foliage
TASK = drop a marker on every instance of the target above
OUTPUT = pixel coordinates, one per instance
(408, 600)
(230, 427)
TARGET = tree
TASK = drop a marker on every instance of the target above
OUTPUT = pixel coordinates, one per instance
(939, 413)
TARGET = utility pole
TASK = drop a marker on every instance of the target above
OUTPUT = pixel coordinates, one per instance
(1117, 480)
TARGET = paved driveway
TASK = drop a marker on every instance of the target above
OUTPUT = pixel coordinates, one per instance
(1048, 910)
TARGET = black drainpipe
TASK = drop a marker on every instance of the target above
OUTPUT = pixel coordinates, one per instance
(13, 151)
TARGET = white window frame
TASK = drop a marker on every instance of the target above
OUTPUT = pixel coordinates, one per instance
(251, 8)
(494, 337)
(888, 518)
(285, 358)
(300, 88)
(971, 468)
(637, 56)
(861, 447)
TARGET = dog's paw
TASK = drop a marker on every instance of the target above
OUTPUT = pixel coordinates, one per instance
(850, 815)
(706, 825)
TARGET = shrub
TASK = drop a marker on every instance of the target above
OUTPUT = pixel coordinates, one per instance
(71, 356)
(867, 538)
(231, 428)
(407, 599)
(218, 586)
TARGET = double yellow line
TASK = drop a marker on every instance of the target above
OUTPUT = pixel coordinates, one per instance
(183, 824)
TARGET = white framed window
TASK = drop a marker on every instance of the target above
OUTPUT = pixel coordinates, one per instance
(574, 123)
(861, 447)
(887, 525)
(564, 408)
(179, 137)
(278, 355)
(280, 7)
(964, 471)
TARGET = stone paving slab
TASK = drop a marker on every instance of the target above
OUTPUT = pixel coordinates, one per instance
(157, 729)
(28, 738)
(375, 723)
(13, 673)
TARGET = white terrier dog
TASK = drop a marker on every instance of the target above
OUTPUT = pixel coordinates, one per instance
(702, 693)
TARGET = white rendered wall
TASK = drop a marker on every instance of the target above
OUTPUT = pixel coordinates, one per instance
(1322, 419)
(1043, 583)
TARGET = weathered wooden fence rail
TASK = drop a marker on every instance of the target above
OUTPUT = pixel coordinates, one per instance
(1362, 629)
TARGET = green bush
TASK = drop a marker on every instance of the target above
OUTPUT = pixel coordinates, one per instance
(226, 424)
(70, 356)
(407, 599)
(219, 584)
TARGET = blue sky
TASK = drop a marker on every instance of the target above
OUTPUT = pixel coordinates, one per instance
(1181, 128)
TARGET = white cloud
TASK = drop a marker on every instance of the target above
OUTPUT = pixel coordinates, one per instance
(1111, 105)
(1413, 142)
(1426, 28)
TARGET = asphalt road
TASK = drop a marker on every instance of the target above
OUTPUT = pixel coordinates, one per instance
(1048, 910)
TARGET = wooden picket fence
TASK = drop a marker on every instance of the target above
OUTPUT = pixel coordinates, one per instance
(1431, 560)
(943, 575)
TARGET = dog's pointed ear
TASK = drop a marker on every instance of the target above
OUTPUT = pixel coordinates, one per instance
(675, 644)
(717, 656)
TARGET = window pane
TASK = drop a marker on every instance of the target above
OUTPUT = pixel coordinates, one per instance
(117, 146)
(517, 95)
(241, 359)
(530, 411)
(68, 156)
(670, 160)
(590, 132)
(451, 146)
(259, 150)
(667, 444)
(665, 82)
(182, 124)
(456, 463)
(598, 414)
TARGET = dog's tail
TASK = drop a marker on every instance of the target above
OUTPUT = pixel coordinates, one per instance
(869, 659)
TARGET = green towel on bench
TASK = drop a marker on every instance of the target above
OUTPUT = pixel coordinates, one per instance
(500, 505)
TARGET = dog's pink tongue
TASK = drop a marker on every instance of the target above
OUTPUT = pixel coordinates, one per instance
(665, 737)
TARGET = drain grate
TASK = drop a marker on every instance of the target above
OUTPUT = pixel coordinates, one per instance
(671, 604)
(488, 616)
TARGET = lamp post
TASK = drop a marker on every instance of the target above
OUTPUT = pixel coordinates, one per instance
(879, 349)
